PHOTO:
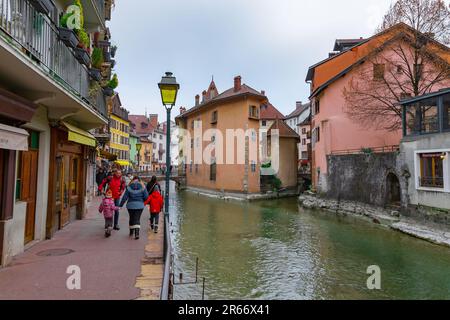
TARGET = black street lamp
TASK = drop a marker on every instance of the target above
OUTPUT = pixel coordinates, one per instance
(169, 91)
(138, 149)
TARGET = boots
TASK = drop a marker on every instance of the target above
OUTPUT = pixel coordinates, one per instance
(136, 233)
(131, 232)
(156, 229)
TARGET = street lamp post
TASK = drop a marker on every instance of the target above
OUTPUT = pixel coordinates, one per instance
(169, 91)
(138, 149)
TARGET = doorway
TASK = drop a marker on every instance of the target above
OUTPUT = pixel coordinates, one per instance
(27, 183)
(67, 194)
(393, 191)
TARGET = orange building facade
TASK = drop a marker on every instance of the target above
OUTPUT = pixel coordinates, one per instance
(232, 165)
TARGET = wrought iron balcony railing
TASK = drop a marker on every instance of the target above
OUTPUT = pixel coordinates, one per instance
(432, 182)
(38, 37)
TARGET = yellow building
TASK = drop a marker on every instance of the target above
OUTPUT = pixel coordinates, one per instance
(119, 143)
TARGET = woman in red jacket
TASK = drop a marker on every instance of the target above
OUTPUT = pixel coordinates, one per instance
(155, 202)
(115, 183)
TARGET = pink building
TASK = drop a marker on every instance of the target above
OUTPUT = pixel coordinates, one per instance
(334, 130)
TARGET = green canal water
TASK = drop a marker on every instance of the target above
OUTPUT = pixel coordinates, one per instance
(276, 250)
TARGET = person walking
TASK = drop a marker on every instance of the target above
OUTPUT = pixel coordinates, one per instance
(100, 176)
(153, 185)
(135, 196)
(116, 183)
(107, 208)
(155, 202)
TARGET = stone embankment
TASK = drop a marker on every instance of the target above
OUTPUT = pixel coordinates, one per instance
(391, 218)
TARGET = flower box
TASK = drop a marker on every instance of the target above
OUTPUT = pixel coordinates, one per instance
(95, 74)
(109, 92)
(69, 37)
(82, 56)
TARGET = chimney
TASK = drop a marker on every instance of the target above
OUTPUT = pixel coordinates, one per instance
(299, 105)
(154, 120)
(203, 96)
(197, 100)
(263, 92)
(237, 83)
(182, 110)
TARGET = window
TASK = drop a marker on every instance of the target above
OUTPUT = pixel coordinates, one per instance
(214, 117)
(419, 70)
(253, 112)
(304, 131)
(432, 170)
(192, 143)
(213, 171)
(304, 142)
(193, 124)
(253, 166)
(317, 106)
(316, 135)
(160, 137)
(264, 123)
(378, 71)
(75, 174)
(446, 113)
(304, 155)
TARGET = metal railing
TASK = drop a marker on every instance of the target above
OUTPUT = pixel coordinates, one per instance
(432, 182)
(168, 259)
(369, 150)
(38, 38)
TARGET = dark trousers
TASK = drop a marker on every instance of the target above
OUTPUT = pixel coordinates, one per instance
(154, 219)
(108, 224)
(116, 213)
(135, 218)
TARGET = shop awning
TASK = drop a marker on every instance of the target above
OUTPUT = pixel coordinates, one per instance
(123, 163)
(107, 155)
(12, 138)
(80, 136)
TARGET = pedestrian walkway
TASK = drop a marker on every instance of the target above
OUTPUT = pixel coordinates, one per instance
(109, 267)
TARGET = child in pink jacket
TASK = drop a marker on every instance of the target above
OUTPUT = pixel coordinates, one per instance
(107, 207)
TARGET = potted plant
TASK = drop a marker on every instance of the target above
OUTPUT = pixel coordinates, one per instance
(81, 52)
(97, 61)
(113, 51)
(43, 6)
(66, 35)
(112, 84)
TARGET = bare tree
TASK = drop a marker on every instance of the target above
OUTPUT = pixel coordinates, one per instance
(430, 17)
(410, 64)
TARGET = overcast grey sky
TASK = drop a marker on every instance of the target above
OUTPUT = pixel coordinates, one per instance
(270, 43)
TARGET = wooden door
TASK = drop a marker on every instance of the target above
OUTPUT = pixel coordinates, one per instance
(29, 169)
(64, 176)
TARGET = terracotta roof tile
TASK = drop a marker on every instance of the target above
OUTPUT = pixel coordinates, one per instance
(269, 112)
(284, 130)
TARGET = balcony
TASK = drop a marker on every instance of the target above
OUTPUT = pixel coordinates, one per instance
(37, 63)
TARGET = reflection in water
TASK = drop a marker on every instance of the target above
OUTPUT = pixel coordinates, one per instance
(276, 250)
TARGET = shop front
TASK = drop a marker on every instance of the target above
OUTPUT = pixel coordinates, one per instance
(71, 150)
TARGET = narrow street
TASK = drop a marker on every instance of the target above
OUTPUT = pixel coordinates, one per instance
(109, 267)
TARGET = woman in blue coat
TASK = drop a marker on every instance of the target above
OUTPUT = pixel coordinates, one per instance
(135, 196)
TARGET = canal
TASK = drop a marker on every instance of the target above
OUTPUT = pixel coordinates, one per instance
(276, 250)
